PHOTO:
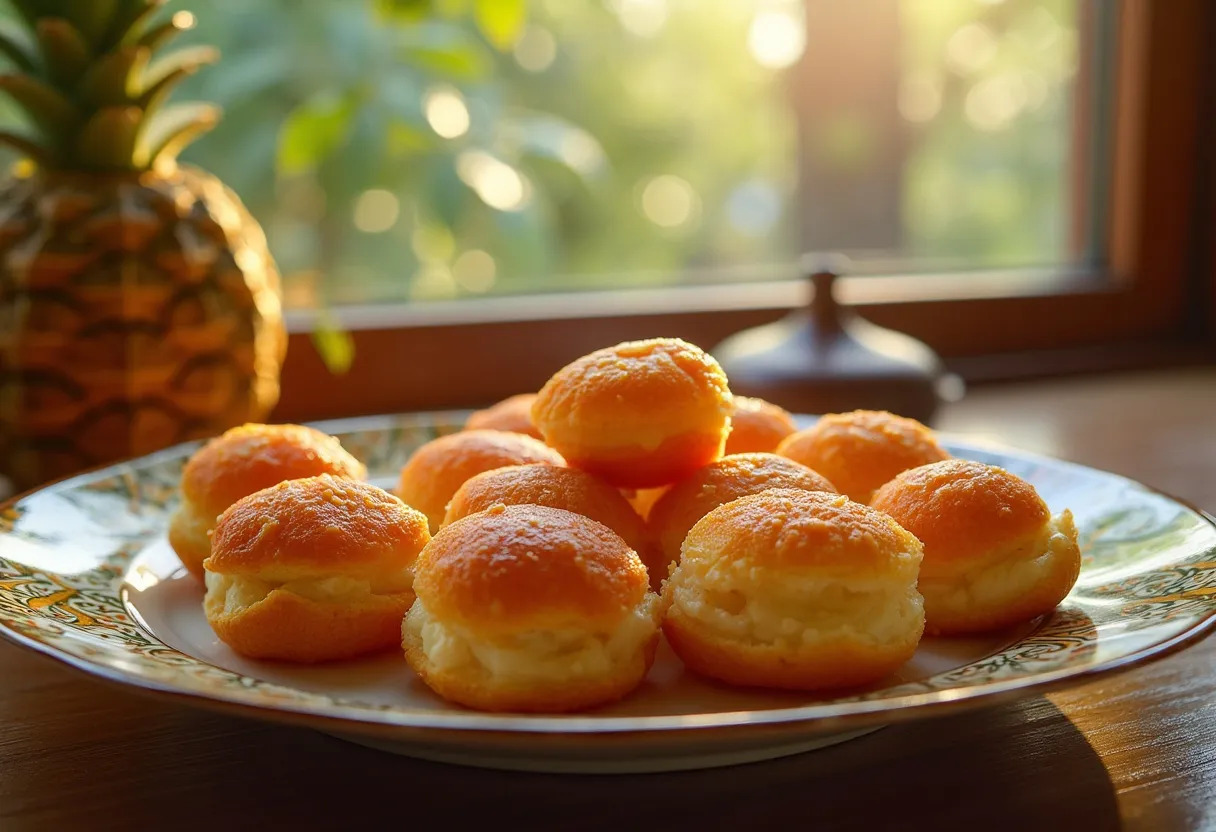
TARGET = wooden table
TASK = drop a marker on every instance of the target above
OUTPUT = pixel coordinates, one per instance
(1136, 751)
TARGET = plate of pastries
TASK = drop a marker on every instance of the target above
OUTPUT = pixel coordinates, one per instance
(629, 569)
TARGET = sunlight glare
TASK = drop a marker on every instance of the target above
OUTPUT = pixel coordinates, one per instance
(446, 112)
(776, 39)
(498, 184)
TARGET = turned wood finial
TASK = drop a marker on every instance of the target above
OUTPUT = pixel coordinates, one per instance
(825, 358)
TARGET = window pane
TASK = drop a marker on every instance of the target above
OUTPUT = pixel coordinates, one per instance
(404, 150)
(945, 133)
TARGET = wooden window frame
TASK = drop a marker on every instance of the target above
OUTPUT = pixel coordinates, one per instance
(1154, 298)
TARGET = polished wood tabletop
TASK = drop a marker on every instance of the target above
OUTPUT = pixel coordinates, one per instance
(1135, 751)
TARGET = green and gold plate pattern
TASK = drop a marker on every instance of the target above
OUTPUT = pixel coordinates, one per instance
(87, 577)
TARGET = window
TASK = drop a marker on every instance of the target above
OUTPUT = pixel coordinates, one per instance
(945, 134)
(1129, 295)
(469, 185)
(402, 156)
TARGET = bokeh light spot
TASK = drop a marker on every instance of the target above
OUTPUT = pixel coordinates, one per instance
(497, 184)
(446, 112)
(475, 271)
(376, 210)
(536, 49)
(669, 201)
(970, 48)
(776, 39)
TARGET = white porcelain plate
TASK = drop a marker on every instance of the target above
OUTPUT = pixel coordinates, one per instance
(87, 577)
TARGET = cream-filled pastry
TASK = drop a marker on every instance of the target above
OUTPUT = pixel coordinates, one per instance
(313, 570)
(513, 414)
(566, 488)
(530, 608)
(638, 415)
(434, 471)
(243, 460)
(730, 478)
(795, 589)
(861, 450)
(994, 554)
(757, 426)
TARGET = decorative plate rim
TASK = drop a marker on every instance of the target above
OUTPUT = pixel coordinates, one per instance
(911, 706)
(830, 714)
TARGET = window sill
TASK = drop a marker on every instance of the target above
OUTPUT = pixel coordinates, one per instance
(769, 295)
(469, 353)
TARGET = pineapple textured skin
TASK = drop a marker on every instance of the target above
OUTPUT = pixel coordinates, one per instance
(136, 310)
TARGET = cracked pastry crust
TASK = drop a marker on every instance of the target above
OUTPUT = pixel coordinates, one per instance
(994, 554)
(530, 608)
(243, 460)
(795, 589)
(637, 415)
(313, 570)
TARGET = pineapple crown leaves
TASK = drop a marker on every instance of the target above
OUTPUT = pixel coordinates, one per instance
(85, 78)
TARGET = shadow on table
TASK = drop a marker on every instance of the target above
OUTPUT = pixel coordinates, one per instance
(1015, 767)
(96, 762)
(1019, 767)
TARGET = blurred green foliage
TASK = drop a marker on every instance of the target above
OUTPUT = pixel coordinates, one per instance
(326, 101)
(987, 180)
(431, 149)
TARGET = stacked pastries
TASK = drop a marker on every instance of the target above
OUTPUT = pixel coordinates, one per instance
(244, 460)
(530, 608)
(635, 494)
(313, 570)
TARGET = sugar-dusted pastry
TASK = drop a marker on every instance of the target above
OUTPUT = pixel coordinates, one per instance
(530, 608)
(730, 478)
(566, 488)
(994, 555)
(757, 426)
(438, 468)
(313, 570)
(795, 589)
(638, 415)
(513, 414)
(861, 450)
(244, 460)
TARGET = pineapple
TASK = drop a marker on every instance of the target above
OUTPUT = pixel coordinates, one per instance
(139, 303)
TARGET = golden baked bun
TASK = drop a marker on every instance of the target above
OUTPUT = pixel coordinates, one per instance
(530, 608)
(757, 426)
(313, 570)
(438, 468)
(638, 415)
(730, 478)
(795, 589)
(568, 489)
(241, 461)
(994, 555)
(512, 414)
(861, 450)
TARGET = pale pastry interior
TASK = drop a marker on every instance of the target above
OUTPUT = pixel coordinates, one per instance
(742, 602)
(1006, 576)
(240, 592)
(555, 656)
